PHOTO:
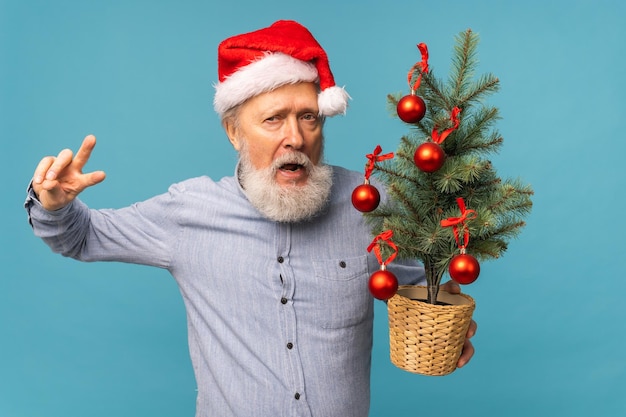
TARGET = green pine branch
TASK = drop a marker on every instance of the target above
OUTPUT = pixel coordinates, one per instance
(463, 62)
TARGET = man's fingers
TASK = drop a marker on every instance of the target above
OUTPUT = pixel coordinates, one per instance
(84, 152)
(94, 178)
(42, 169)
(452, 287)
(50, 167)
(60, 163)
(468, 352)
(472, 329)
(468, 347)
(61, 177)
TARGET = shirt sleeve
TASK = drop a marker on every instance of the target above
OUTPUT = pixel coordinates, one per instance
(408, 272)
(143, 233)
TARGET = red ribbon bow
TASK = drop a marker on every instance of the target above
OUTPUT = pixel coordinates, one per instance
(386, 237)
(456, 221)
(454, 116)
(373, 158)
(423, 65)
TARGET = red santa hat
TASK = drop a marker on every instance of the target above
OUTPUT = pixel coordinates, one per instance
(284, 53)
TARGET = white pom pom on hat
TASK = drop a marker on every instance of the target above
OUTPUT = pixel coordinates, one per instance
(283, 53)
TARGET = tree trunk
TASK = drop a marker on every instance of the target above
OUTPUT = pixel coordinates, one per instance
(433, 279)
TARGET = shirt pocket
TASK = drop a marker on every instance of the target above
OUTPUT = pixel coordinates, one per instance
(343, 299)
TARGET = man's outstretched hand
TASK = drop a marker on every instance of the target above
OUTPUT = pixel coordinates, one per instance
(58, 180)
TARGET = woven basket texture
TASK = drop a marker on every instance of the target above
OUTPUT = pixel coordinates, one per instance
(425, 338)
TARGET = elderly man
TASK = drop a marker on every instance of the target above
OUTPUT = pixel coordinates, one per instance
(271, 262)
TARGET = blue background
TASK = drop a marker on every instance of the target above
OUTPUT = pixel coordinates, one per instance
(110, 339)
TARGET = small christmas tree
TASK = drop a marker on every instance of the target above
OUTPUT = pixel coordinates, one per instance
(451, 202)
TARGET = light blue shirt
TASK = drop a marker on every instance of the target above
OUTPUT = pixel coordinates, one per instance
(279, 315)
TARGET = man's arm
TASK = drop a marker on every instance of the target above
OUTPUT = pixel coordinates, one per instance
(141, 233)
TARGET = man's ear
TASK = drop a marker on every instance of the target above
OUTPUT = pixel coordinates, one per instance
(231, 132)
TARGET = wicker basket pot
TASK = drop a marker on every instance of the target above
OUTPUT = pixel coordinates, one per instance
(425, 338)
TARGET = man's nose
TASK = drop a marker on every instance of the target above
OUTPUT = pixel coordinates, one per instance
(293, 135)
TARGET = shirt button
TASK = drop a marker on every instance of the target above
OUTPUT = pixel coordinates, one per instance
(280, 259)
(342, 264)
(297, 396)
(283, 300)
(289, 345)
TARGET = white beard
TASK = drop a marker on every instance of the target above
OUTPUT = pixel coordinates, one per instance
(289, 203)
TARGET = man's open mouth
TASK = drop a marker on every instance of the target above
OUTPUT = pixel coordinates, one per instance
(291, 167)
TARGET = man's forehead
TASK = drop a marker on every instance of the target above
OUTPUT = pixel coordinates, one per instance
(293, 97)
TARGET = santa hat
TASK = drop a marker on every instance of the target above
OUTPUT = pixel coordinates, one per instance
(263, 60)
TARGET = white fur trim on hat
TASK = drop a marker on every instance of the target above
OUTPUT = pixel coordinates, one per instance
(266, 74)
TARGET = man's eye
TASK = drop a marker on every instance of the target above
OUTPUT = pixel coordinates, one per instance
(309, 116)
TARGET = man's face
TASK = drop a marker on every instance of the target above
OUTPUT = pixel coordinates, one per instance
(277, 123)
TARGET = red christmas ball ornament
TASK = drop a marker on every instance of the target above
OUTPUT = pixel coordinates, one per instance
(429, 157)
(464, 269)
(411, 108)
(365, 197)
(383, 284)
